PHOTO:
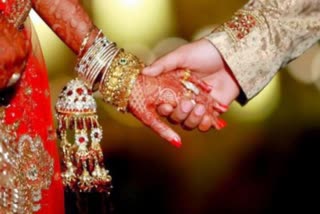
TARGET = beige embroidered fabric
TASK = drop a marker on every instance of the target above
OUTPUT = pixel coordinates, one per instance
(264, 36)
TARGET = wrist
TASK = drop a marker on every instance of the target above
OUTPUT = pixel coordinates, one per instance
(235, 88)
(225, 87)
(88, 40)
(105, 67)
(224, 83)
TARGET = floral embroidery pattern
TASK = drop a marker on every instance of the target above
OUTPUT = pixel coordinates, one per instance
(26, 167)
(241, 24)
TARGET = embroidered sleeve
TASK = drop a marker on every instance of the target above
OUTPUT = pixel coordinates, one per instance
(264, 36)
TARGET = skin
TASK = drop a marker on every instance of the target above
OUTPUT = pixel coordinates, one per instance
(150, 92)
(206, 63)
(71, 23)
(68, 19)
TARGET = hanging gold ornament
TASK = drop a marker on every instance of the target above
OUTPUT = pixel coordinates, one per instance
(80, 134)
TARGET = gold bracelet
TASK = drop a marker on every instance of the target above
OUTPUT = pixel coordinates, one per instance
(86, 39)
(118, 81)
(92, 64)
(19, 12)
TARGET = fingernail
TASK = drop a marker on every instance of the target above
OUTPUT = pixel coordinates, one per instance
(200, 110)
(207, 88)
(186, 106)
(224, 106)
(222, 123)
(176, 143)
(220, 108)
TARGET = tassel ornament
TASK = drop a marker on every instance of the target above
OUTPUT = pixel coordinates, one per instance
(83, 169)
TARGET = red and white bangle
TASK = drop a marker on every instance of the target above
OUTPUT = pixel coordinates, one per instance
(96, 60)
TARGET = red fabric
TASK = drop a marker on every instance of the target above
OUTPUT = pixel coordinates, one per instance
(38, 122)
(2, 6)
(6, 6)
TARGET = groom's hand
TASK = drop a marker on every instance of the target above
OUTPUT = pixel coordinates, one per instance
(205, 62)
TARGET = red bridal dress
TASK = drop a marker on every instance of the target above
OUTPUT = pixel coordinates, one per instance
(30, 179)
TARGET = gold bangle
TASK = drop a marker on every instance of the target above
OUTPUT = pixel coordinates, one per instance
(91, 65)
(119, 80)
(19, 12)
(85, 40)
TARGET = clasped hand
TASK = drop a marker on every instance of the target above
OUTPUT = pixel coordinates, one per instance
(193, 100)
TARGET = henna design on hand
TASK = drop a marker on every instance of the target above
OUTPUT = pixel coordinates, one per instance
(68, 20)
(150, 92)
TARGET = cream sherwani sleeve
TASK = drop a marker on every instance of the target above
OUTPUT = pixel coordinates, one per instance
(264, 36)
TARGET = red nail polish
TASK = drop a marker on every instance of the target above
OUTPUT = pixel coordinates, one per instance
(176, 143)
(222, 123)
(206, 87)
(224, 106)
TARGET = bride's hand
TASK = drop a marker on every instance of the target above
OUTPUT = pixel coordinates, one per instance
(171, 88)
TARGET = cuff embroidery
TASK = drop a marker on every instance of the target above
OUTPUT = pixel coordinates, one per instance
(241, 24)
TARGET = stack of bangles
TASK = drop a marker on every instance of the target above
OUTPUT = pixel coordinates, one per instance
(110, 70)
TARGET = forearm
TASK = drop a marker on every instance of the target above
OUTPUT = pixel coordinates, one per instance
(71, 23)
(68, 19)
(279, 31)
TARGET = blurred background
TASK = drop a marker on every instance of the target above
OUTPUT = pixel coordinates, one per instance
(264, 161)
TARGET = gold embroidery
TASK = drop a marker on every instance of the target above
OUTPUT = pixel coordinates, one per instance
(26, 169)
(28, 91)
(51, 134)
(241, 24)
(34, 162)
(19, 12)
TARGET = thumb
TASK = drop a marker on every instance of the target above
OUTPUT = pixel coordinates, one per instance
(169, 62)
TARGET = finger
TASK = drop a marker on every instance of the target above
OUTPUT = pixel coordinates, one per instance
(165, 132)
(169, 62)
(195, 117)
(215, 120)
(221, 108)
(183, 110)
(165, 110)
(205, 124)
(151, 119)
(222, 123)
(200, 83)
(219, 123)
